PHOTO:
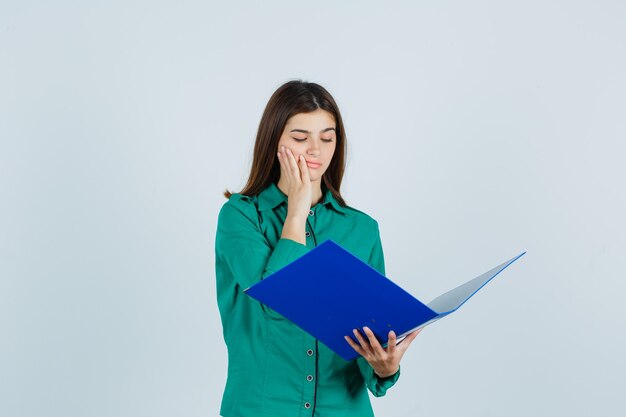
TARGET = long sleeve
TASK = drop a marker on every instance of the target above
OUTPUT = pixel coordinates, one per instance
(377, 385)
(241, 246)
(243, 257)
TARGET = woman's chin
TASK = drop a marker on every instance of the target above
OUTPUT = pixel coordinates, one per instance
(314, 175)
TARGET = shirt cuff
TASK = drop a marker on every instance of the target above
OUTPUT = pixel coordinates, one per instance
(387, 382)
(381, 385)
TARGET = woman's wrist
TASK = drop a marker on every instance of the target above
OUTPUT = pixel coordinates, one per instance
(384, 375)
(294, 229)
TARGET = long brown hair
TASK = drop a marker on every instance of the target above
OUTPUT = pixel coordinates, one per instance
(288, 100)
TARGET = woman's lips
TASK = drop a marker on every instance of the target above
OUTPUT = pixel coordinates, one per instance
(313, 165)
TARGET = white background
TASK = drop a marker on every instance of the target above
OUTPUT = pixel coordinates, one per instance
(476, 130)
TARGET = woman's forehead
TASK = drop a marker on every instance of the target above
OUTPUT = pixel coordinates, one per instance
(317, 120)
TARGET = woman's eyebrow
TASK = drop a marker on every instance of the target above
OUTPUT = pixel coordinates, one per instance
(306, 131)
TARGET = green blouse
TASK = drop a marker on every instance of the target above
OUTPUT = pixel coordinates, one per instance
(274, 368)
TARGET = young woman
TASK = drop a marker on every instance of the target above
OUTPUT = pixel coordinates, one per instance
(290, 204)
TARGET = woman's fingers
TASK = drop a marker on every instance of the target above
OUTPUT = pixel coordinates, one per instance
(296, 167)
(304, 169)
(293, 165)
(299, 189)
(364, 344)
(288, 166)
(383, 361)
(355, 346)
(391, 343)
(282, 160)
(374, 343)
(371, 344)
(408, 340)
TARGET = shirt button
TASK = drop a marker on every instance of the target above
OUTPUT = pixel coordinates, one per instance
(309, 378)
(307, 405)
(311, 212)
(308, 234)
(309, 352)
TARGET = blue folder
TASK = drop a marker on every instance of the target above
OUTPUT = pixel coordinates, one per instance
(327, 292)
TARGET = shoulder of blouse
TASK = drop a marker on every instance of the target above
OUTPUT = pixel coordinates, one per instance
(235, 198)
(362, 216)
(243, 204)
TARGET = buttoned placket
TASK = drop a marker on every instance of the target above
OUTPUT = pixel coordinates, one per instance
(309, 378)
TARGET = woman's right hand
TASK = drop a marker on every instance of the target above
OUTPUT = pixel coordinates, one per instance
(296, 174)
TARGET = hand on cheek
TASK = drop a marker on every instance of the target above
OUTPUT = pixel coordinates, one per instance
(296, 176)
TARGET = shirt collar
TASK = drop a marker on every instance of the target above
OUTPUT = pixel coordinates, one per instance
(271, 197)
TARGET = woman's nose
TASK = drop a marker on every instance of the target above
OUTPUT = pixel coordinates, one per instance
(313, 148)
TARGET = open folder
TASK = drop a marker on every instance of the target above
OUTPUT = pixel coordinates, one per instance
(328, 292)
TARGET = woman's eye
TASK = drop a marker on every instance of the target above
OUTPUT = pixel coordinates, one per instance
(302, 140)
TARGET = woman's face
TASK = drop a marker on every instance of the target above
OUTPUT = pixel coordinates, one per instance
(314, 136)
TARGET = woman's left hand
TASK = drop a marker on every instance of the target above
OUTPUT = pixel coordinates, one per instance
(385, 361)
